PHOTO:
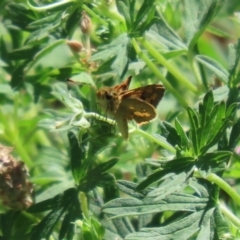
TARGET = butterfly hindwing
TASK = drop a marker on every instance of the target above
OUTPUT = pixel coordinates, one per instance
(137, 109)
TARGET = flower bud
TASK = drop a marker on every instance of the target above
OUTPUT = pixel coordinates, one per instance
(85, 23)
(75, 46)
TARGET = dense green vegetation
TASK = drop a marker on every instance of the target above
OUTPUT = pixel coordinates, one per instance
(174, 178)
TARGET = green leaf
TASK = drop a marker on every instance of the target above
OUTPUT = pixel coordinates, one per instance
(77, 156)
(220, 93)
(116, 50)
(144, 10)
(234, 135)
(170, 185)
(198, 15)
(234, 58)
(214, 66)
(206, 227)
(184, 139)
(215, 127)
(130, 189)
(213, 162)
(169, 170)
(45, 227)
(145, 25)
(220, 156)
(45, 21)
(166, 37)
(67, 227)
(26, 52)
(18, 75)
(171, 134)
(44, 52)
(125, 12)
(175, 202)
(194, 123)
(100, 177)
(222, 225)
(233, 96)
(182, 229)
(20, 14)
(205, 110)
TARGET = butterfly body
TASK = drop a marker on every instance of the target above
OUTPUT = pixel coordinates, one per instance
(124, 105)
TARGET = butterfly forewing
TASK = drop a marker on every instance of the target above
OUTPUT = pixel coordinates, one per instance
(137, 109)
(151, 93)
(123, 86)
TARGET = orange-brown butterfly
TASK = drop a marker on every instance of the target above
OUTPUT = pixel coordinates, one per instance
(124, 105)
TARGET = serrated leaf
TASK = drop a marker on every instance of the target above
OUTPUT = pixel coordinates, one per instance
(161, 141)
(182, 229)
(198, 15)
(44, 52)
(171, 134)
(214, 66)
(26, 52)
(220, 93)
(130, 189)
(171, 185)
(222, 225)
(45, 20)
(169, 169)
(116, 50)
(164, 35)
(206, 227)
(77, 156)
(234, 58)
(100, 177)
(125, 12)
(175, 202)
(213, 162)
(234, 136)
(220, 156)
(45, 227)
(194, 123)
(67, 227)
(143, 12)
(184, 139)
(18, 75)
(83, 78)
(231, 110)
(145, 25)
(214, 123)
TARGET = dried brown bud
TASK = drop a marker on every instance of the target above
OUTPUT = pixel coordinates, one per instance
(15, 188)
(85, 23)
(75, 46)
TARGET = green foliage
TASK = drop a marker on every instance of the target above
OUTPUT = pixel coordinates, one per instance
(89, 182)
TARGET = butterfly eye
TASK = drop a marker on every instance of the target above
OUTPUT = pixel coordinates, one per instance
(108, 96)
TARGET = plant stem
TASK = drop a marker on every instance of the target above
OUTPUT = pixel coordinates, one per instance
(151, 138)
(84, 204)
(230, 215)
(178, 75)
(155, 70)
(94, 15)
(223, 185)
(49, 6)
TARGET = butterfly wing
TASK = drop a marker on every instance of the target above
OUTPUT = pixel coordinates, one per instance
(137, 109)
(121, 121)
(123, 86)
(151, 94)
